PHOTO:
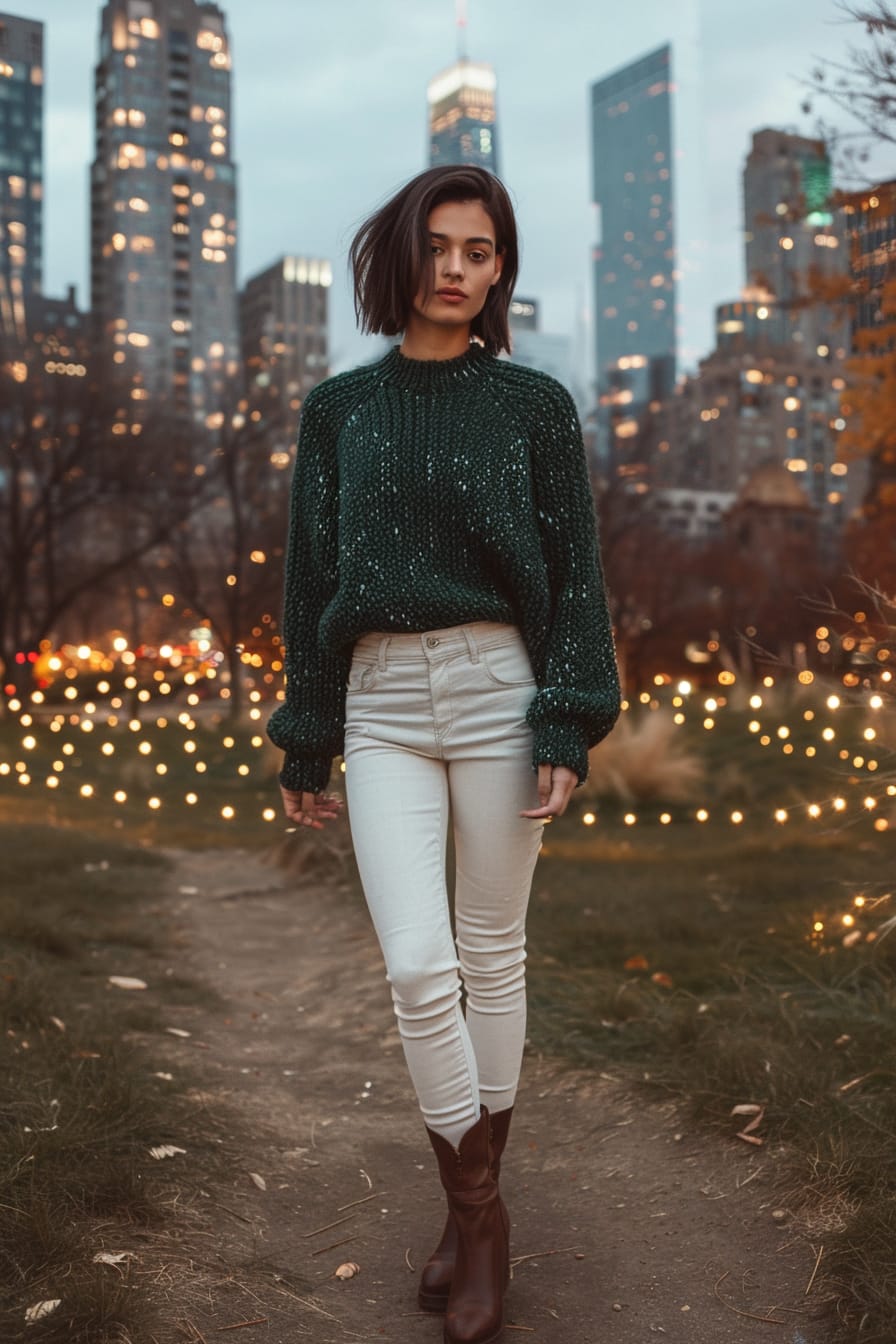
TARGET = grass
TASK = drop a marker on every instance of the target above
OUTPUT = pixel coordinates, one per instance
(691, 960)
(724, 963)
(80, 1102)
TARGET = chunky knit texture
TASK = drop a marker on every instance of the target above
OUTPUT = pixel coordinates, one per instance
(431, 493)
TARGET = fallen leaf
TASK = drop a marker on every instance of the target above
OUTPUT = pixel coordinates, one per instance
(165, 1150)
(41, 1309)
(347, 1271)
(750, 1138)
(258, 1180)
(188, 891)
(58, 1023)
(126, 982)
(168, 1077)
(662, 979)
(746, 1108)
(177, 1031)
(637, 963)
(113, 1257)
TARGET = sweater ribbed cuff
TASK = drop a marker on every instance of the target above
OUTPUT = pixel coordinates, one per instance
(562, 743)
(306, 774)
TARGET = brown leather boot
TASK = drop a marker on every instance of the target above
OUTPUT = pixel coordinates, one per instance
(435, 1280)
(475, 1308)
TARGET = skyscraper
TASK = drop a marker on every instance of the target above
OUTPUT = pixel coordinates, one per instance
(284, 333)
(634, 261)
(462, 109)
(163, 205)
(21, 170)
(790, 230)
(462, 116)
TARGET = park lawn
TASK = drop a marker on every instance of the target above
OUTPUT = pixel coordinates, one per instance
(81, 1100)
(680, 954)
(689, 958)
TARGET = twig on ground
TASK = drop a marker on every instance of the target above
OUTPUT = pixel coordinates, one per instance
(751, 1315)
(197, 1333)
(540, 1255)
(529, 1328)
(242, 1325)
(747, 1179)
(364, 1200)
(326, 1227)
(306, 1302)
(407, 1260)
(242, 1217)
(815, 1270)
(332, 1246)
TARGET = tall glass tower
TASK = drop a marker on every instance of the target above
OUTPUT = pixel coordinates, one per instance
(634, 262)
(462, 116)
(163, 206)
(21, 171)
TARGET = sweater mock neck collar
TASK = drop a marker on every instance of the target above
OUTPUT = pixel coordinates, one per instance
(434, 375)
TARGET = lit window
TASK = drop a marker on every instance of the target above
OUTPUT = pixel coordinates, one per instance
(218, 148)
(131, 156)
(137, 203)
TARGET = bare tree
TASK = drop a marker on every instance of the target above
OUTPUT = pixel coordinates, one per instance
(82, 499)
(863, 86)
(221, 564)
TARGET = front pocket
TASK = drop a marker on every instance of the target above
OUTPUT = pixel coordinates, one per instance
(361, 677)
(508, 665)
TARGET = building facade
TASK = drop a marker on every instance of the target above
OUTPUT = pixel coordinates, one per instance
(792, 234)
(635, 258)
(463, 116)
(21, 172)
(285, 344)
(163, 208)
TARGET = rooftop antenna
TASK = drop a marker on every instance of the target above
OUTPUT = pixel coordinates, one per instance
(461, 30)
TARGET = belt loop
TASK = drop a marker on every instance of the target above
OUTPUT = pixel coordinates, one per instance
(381, 652)
(471, 644)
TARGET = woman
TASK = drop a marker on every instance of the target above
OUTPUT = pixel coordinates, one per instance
(446, 630)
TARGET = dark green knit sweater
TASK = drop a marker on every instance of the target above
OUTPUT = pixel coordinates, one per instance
(430, 493)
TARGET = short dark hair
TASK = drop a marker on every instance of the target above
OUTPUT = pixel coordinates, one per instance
(390, 252)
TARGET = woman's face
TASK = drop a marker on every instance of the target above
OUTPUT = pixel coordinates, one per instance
(465, 263)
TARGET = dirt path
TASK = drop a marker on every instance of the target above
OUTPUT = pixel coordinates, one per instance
(633, 1226)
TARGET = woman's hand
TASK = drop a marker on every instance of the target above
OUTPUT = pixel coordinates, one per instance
(310, 809)
(555, 786)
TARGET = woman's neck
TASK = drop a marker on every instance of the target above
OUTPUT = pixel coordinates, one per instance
(429, 341)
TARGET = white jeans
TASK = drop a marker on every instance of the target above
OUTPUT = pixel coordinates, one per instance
(437, 720)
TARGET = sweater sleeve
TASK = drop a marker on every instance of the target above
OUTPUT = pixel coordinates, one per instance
(309, 725)
(580, 699)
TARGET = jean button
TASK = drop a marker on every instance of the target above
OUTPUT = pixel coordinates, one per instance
(432, 642)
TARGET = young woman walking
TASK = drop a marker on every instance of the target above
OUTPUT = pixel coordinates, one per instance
(446, 631)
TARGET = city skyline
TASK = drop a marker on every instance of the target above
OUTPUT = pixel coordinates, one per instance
(303, 146)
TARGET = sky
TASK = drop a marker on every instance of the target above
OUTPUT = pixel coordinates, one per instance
(330, 118)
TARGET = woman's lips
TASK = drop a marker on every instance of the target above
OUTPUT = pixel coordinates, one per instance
(447, 296)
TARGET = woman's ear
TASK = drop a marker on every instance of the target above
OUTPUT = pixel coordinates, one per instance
(499, 266)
